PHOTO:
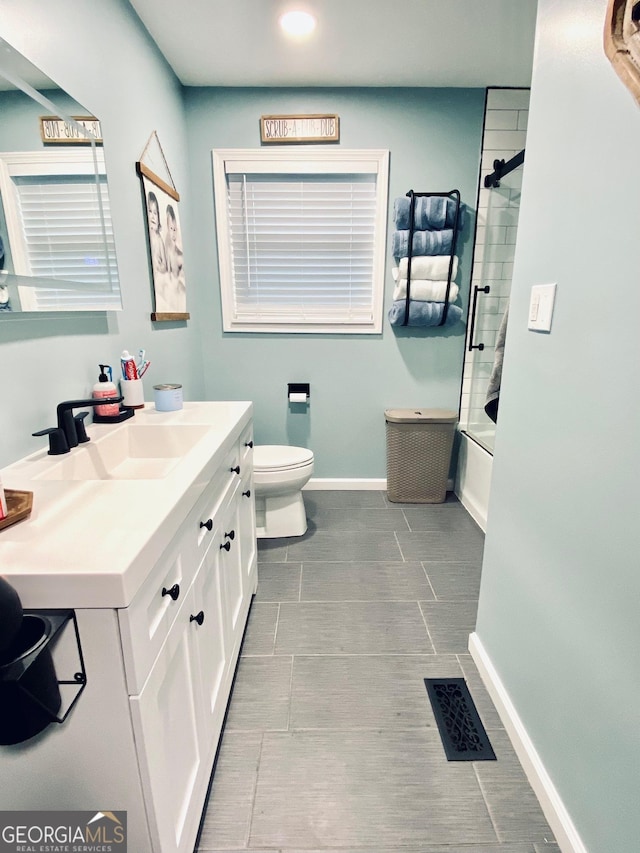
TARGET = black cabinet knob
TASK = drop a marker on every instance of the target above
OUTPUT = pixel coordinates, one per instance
(174, 592)
(199, 617)
(248, 444)
(226, 546)
(247, 494)
(235, 470)
(230, 535)
(208, 524)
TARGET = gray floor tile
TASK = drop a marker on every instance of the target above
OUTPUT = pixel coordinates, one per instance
(227, 815)
(481, 698)
(278, 582)
(361, 768)
(261, 693)
(260, 633)
(272, 550)
(449, 624)
(360, 518)
(434, 545)
(344, 546)
(354, 627)
(315, 500)
(454, 581)
(450, 499)
(364, 582)
(514, 809)
(423, 848)
(447, 518)
(366, 691)
(344, 788)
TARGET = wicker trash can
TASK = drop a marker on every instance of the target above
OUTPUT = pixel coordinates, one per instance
(419, 444)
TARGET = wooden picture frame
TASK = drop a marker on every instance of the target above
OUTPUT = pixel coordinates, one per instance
(300, 128)
(165, 246)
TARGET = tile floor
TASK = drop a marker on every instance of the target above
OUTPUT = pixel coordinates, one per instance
(330, 742)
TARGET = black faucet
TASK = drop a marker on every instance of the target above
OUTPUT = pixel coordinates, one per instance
(70, 430)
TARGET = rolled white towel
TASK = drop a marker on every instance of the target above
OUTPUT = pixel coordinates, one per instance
(431, 267)
(425, 291)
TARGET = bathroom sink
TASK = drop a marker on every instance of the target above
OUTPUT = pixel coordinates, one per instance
(135, 452)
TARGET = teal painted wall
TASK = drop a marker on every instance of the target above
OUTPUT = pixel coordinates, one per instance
(558, 610)
(102, 56)
(434, 138)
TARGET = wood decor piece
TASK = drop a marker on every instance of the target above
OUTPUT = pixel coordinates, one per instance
(19, 506)
(622, 42)
(300, 128)
(164, 236)
(56, 131)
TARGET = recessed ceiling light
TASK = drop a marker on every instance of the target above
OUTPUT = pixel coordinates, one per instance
(298, 23)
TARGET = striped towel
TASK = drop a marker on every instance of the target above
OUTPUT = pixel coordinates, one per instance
(423, 313)
(424, 243)
(431, 213)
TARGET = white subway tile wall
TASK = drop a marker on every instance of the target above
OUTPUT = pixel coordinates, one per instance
(505, 128)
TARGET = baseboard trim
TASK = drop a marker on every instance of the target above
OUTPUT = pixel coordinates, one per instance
(318, 484)
(363, 484)
(554, 809)
(473, 509)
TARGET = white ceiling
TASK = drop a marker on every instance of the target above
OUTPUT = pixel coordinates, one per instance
(356, 43)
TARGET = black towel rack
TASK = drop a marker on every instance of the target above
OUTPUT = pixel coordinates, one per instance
(455, 194)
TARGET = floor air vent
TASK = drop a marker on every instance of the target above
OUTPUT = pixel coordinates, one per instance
(463, 735)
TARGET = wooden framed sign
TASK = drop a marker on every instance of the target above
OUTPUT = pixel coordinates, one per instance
(300, 128)
(57, 131)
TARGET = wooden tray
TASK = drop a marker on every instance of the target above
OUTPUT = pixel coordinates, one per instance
(19, 505)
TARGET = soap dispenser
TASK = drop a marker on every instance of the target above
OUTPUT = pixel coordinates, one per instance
(104, 387)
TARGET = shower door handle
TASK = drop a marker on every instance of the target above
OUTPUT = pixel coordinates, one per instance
(476, 290)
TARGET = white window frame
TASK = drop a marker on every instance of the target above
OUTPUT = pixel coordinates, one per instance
(69, 161)
(310, 160)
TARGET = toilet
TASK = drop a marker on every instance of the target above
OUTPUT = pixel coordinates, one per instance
(279, 473)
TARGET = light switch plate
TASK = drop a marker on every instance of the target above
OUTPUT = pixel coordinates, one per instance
(541, 307)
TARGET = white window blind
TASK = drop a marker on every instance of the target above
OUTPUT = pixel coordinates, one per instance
(301, 242)
(61, 218)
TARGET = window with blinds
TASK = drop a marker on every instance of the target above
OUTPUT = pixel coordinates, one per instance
(301, 239)
(58, 221)
(62, 223)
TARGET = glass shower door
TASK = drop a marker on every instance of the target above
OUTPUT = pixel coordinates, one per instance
(495, 243)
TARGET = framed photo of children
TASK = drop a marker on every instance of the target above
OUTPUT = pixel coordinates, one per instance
(165, 247)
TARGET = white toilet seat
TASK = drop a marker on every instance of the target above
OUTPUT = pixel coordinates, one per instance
(273, 457)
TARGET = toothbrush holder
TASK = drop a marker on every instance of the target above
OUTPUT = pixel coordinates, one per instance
(132, 393)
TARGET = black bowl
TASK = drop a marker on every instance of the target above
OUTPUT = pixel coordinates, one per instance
(10, 614)
(29, 692)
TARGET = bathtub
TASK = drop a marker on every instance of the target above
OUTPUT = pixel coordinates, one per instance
(473, 476)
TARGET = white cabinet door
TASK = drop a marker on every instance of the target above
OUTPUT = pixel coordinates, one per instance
(166, 719)
(210, 648)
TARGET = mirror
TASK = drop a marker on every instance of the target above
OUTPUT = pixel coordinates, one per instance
(57, 250)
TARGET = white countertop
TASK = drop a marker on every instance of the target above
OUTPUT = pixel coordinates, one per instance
(92, 543)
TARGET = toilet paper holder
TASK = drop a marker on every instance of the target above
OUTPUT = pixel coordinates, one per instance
(298, 389)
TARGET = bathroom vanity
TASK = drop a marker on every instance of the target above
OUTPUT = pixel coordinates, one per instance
(147, 533)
